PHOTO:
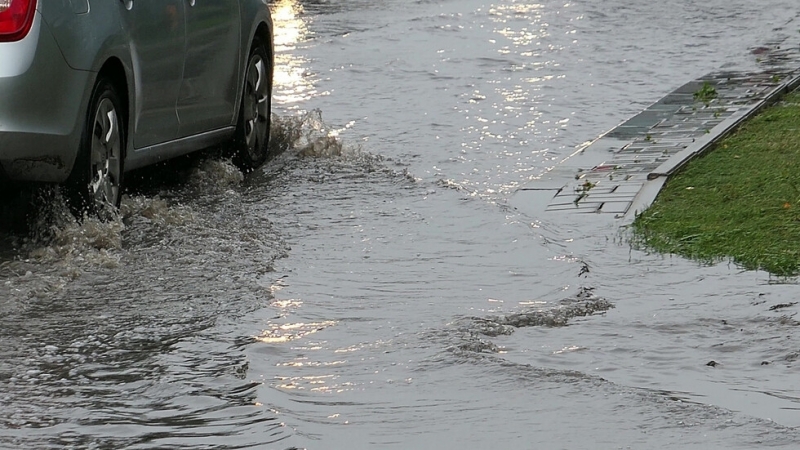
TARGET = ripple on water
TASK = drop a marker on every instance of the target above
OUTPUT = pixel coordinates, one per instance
(123, 334)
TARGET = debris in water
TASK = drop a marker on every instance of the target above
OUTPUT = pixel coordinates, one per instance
(782, 305)
(584, 268)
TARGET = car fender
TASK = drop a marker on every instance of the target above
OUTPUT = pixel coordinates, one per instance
(90, 37)
(254, 13)
(85, 39)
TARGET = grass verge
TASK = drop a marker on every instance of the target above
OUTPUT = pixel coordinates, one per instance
(740, 201)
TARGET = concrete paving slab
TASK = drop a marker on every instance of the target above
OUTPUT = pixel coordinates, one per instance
(581, 207)
(629, 188)
(610, 198)
(615, 207)
(534, 201)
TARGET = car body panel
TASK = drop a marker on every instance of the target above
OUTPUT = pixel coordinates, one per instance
(157, 30)
(211, 71)
(87, 39)
(143, 157)
(79, 6)
(42, 104)
(182, 90)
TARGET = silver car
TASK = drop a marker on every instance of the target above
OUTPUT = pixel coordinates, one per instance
(91, 89)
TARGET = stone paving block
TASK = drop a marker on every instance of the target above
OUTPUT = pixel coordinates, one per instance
(562, 206)
(600, 190)
(648, 118)
(677, 99)
(616, 207)
(593, 192)
(582, 206)
(628, 188)
(627, 131)
(589, 208)
(570, 193)
(663, 126)
(691, 87)
(675, 140)
(667, 148)
(637, 177)
(610, 198)
(566, 195)
(604, 168)
(644, 158)
(533, 201)
(682, 127)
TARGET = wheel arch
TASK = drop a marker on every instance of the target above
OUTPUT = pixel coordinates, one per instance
(114, 70)
(262, 31)
(111, 75)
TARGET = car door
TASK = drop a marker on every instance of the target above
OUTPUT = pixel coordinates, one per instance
(157, 43)
(209, 89)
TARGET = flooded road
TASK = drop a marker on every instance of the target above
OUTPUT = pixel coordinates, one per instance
(374, 287)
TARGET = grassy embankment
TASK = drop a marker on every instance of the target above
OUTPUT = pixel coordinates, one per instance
(739, 202)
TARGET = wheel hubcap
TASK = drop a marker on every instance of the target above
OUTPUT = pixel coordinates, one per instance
(256, 105)
(105, 157)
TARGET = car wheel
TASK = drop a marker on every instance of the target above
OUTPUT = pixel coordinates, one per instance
(251, 142)
(95, 185)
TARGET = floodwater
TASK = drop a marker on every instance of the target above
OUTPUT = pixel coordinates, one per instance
(374, 287)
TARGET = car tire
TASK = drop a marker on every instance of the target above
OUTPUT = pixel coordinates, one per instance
(251, 140)
(95, 184)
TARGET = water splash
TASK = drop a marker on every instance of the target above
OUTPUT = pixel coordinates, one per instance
(472, 329)
(308, 136)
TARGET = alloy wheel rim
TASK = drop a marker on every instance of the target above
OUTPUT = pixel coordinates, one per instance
(256, 105)
(106, 147)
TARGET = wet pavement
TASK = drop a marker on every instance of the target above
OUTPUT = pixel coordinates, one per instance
(374, 285)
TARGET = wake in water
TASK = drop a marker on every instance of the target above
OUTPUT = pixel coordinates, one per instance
(132, 320)
(585, 303)
(472, 329)
(43, 247)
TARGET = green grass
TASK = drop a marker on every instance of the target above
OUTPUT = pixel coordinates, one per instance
(739, 202)
(706, 93)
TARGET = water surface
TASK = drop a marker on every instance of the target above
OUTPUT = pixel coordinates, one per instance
(374, 287)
